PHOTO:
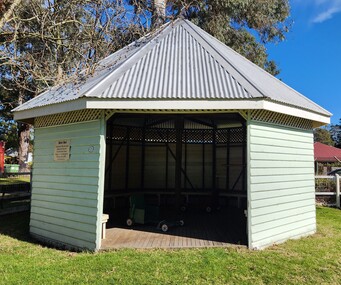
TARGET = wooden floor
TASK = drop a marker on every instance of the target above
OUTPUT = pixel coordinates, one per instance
(219, 229)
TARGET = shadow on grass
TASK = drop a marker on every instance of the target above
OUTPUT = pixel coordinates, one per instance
(16, 225)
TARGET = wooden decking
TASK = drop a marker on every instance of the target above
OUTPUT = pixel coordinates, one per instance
(218, 229)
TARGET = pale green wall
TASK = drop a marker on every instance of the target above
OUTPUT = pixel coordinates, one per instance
(281, 186)
(67, 197)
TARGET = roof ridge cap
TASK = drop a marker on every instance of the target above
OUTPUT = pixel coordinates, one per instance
(141, 39)
(255, 86)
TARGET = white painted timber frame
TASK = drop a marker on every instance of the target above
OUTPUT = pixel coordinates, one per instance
(216, 106)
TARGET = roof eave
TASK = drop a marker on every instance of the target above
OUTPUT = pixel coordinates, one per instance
(318, 119)
(67, 106)
(172, 105)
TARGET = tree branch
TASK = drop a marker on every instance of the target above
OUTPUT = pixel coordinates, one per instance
(8, 14)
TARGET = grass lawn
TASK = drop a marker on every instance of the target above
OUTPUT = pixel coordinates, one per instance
(310, 260)
(17, 197)
(14, 180)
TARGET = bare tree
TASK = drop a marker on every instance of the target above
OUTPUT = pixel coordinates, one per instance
(6, 10)
(48, 42)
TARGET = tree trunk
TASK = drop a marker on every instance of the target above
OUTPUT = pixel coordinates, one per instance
(24, 139)
(159, 12)
(24, 143)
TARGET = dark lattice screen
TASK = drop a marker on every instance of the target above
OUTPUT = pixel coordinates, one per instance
(142, 153)
(189, 136)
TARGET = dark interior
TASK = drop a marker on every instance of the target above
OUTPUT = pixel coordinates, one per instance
(186, 167)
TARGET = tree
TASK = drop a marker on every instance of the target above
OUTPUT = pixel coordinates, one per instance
(335, 131)
(8, 133)
(8, 128)
(45, 43)
(323, 136)
(6, 10)
(48, 42)
(244, 25)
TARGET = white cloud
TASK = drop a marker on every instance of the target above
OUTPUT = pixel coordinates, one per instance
(326, 9)
(326, 15)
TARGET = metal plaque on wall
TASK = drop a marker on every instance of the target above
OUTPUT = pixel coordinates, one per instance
(62, 150)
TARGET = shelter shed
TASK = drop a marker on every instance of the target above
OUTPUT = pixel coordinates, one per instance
(184, 120)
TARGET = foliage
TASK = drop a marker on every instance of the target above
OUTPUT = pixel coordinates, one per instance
(323, 136)
(8, 101)
(47, 43)
(330, 135)
(310, 260)
(8, 134)
(335, 131)
(243, 25)
(325, 167)
(329, 165)
(44, 43)
(325, 184)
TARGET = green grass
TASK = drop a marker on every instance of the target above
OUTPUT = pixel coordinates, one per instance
(21, 184)
(14, 180)
(311, 260)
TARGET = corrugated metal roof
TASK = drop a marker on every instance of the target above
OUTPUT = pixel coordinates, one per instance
(268, 85)
(179, 61)
(75, 90)
(178, 67)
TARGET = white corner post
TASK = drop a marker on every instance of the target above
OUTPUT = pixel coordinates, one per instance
(248, 163)
(101, 219)
(337, 177)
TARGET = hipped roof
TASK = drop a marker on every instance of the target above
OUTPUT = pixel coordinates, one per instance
(178, 63)
(326, 153)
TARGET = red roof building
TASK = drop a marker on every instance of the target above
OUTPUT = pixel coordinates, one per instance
(326, 153)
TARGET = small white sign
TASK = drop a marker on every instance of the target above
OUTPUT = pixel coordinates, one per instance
(62, 150)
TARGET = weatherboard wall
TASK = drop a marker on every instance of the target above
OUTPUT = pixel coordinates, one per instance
(281, 184)
(66, 202)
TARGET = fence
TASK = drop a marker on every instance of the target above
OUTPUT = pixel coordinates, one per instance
(15, 192)
(327, 190)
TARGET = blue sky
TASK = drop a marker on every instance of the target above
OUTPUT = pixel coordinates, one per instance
(310, 57)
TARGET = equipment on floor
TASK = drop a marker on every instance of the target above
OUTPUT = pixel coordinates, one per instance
(142, 213)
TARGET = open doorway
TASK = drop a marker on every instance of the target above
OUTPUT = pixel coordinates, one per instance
(190, 168)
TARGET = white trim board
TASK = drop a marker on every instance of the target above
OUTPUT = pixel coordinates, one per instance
(172, 106)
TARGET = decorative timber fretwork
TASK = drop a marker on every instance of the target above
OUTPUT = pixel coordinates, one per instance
(281, 119)
(67, 118)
